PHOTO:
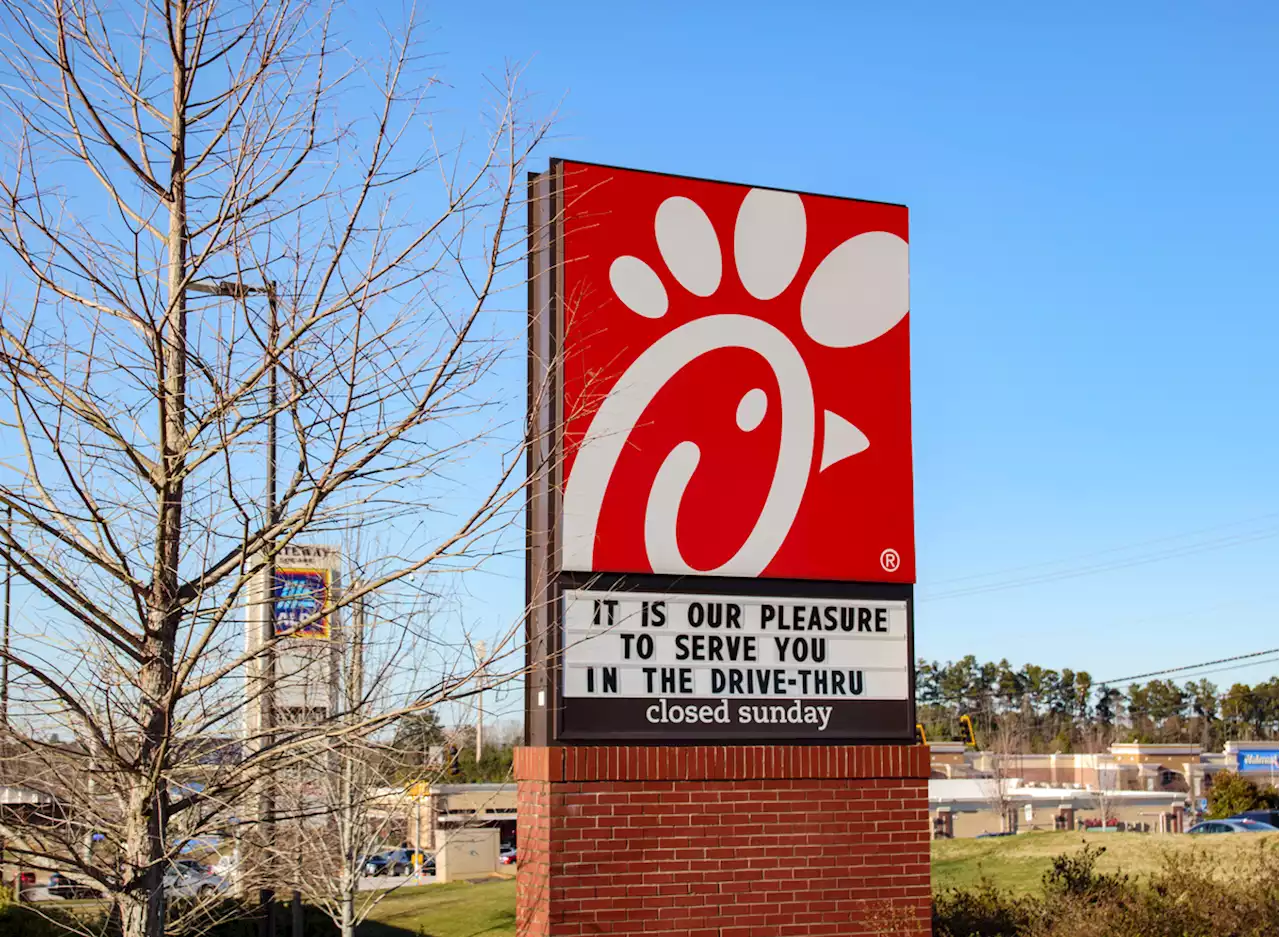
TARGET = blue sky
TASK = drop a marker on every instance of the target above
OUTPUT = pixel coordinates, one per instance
(1093, 196)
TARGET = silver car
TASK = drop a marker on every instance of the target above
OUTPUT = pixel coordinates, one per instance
(187, 878)
(1232, 826)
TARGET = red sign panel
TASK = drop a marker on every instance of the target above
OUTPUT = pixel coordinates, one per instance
(736, 381)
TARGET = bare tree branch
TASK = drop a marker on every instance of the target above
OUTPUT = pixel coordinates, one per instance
(204, 200)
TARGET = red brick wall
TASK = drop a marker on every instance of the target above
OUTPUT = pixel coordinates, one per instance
(705, 841)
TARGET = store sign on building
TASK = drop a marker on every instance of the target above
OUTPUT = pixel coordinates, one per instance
(1260, 760)
(721, 534)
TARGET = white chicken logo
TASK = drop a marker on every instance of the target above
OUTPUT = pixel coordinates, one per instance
(856, 294)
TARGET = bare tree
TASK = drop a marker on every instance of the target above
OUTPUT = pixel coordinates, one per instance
(1004, 746)
(356, 791)
(234, 244)
(1104, 802)
(1105, 793)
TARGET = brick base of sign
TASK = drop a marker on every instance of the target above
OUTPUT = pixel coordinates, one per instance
(714, 841)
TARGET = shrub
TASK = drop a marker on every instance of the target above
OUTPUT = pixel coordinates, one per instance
(1075, 875)
(227, 918)
(233, 917)
(1189, 896)
(21, 921)
(983, 911)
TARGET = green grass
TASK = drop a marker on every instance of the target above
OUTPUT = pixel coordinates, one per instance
(459, 909)
(1016, 863)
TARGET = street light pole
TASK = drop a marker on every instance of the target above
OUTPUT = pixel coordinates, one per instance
(4, 664)
(236, 289)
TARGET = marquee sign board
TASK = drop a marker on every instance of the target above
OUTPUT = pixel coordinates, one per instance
(720, 390)
(753, 665)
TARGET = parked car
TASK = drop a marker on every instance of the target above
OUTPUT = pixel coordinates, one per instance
(187, 878)
(63, 886)
(507, 855)
(1231, 826)
(225, 866)
(1271, 817)
(392, 862)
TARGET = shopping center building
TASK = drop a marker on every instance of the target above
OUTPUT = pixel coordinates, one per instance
(1132, 786)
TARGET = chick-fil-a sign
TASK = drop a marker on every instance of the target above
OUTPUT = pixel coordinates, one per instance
(736, 381)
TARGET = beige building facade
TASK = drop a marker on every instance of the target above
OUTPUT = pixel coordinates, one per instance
(422, 815)
(968, 807)
(1133, 785)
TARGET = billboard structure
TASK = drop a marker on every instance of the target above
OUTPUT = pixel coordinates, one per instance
(303, 670)
(721, 533)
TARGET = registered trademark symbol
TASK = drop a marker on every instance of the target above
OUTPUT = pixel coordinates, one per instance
(889, 559)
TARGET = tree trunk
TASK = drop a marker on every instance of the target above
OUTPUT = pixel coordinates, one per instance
(142, 907)
(146, 822)
(349, 913)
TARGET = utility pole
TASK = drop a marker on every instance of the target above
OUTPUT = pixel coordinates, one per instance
(273, 341)
(4, 664)
(481, 651)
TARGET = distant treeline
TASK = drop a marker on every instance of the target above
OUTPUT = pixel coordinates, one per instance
(1039, 709)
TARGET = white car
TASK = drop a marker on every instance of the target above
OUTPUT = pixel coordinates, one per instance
(187, 878)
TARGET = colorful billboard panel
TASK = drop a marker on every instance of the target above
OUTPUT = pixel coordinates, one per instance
(300, 595)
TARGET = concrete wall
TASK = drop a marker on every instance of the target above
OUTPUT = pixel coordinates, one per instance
(1131, 770)
(969, 822)
(476, 799)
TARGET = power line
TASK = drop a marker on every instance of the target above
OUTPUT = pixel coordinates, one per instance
(1227, 669)
(1058, 575)
(1208, 663)
(1247, 522)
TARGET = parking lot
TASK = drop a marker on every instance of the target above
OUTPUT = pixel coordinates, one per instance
(367, 883)
(375, 882)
